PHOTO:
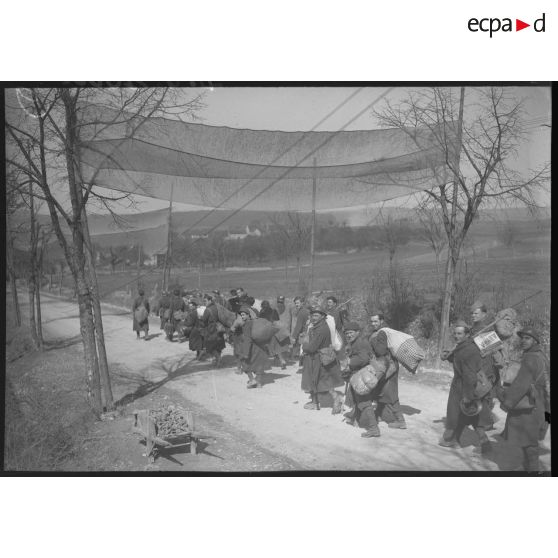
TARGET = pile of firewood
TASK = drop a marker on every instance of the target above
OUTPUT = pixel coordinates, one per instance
(170, 421)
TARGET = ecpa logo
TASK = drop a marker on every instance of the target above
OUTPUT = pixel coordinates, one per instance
(494, 24)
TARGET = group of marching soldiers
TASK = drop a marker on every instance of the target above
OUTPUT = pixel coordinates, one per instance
(303, 335)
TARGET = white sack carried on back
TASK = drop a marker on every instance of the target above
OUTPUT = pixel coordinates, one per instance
(404, 348)
(336, 341)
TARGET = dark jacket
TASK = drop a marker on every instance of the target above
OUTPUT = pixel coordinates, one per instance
(233, 304)
(214, 340)
(140, 300)
(339, 315)
(195, 340)
(387, 390)
(254, 355)
(359, 353)
(269, 314)
(467, 362)
(315, 376)
(525, 427)
(301, 317)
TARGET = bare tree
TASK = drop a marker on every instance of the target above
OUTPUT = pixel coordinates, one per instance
(507, 234)
(476, 146)
(37, 146)
(295, 228)
(432, 230)
(394, 233)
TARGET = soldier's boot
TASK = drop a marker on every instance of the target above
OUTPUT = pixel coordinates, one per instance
(313, 404)
(337, 403)
(367, 420)
(448, 439)
(531, 455)
(399, 421)
(485, 446)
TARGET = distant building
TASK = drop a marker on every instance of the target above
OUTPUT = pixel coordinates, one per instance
(242, 234)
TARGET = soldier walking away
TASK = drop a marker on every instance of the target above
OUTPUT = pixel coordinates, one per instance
(195, 340)
(176, 304)
(214, 330)
(358, 352)
(276, 346)
(140, 312)
(164, 308)
(386, 392)
(321, 372)
(464, 407)
(300, 319)
(527, 400)
(253, 355)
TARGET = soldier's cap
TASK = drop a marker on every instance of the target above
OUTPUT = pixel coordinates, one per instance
(317, 310)
(531, 332)
(352, 326)
(461, 323)
(216, 291)
(244, 310)
(280, 299)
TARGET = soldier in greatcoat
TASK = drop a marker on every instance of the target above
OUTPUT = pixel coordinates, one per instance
(253, 354)
(467, 362)
(176, 304)
(525, 422)
(359, 352)
(387, 390)
(479, 322)
(300, 319)
(318, 377)
(214, 331)
(139, 301)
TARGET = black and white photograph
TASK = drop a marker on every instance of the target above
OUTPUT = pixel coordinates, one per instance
(275, 278)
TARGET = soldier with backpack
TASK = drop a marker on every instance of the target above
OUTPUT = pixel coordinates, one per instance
(387, 391)
(140, 310)
(526, 400)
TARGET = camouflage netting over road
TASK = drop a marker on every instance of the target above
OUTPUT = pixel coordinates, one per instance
(227, 167)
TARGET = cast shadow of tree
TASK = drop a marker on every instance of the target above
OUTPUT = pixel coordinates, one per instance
(173, 371)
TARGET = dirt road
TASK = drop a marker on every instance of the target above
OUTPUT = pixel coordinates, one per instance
(274, 417)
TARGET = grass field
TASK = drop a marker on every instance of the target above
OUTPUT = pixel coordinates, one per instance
(511, 271)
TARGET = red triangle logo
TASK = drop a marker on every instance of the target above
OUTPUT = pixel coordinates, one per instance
(519, 25)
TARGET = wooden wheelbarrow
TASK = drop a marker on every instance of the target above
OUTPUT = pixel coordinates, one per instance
(145, 426)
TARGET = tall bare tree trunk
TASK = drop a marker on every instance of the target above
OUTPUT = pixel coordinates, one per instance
(39, 274)
(32, 269)
(12, 273)
(32, 321)
(60, 279)
(453, 246)
(106, 395)
(87, 326)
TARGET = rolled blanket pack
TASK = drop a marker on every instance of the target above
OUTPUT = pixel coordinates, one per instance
(263, 330)
(366, 379)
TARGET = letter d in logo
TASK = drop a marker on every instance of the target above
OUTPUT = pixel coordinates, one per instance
(539, 23)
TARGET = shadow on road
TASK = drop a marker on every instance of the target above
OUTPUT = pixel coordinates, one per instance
(408, 410)
(270, 377)
(179, 369)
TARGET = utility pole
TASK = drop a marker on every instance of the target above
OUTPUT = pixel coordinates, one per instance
(168, 255)
(313, 230)
(450, 263)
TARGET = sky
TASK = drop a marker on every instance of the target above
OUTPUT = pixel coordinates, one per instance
(302, 108)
